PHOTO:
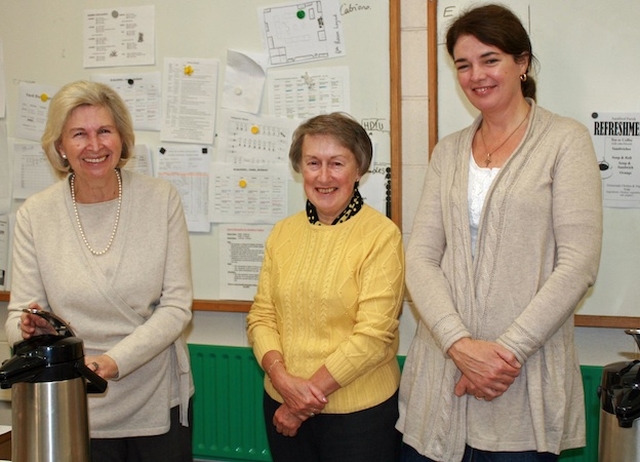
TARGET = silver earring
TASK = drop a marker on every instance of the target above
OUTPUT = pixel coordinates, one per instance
(523, 77)
(64, 156)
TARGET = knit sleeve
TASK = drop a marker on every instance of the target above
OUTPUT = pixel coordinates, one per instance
(262, 329)
(374, 334)
(428, 286)
(27, 284)
(577, 229)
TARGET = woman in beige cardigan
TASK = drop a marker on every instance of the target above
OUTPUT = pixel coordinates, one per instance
(107, 250)
(505, 244)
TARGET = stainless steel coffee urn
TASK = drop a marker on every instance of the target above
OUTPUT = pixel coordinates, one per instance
(619, 394)
(49, 383)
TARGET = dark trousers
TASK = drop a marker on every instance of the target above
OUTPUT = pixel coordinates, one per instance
(173, 446)
(363, 436)
(474, 455)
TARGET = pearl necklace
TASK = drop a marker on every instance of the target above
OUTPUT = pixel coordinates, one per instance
(115, 225)
(487, 161)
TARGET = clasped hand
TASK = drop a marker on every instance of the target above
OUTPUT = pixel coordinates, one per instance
(302, 400)
(488, 369)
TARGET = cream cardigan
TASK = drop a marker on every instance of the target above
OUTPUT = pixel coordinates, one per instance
(537, 253)
(133, 303)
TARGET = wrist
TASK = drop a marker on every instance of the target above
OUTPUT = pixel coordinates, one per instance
(276, 363)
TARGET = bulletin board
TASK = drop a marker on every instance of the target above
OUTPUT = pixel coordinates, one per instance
(42, 44)
(584, 51)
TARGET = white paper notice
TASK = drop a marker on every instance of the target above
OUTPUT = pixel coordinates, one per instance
(248, 194)
(122, 36)
(3, 85)
(189, 100)
(33, 104)
(5, 173)
(32, 172)
(251, 139)
(187, 167)
(141, 161)
(244, 79)
(141, 94)
(616, 138)
(305, 93)
(4, 250)
(241, 252)
(302, 32)
(375, 189)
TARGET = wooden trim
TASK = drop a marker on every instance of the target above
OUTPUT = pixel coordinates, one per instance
(432, 72)
(233, 306)
(617, 322)
(395, 82)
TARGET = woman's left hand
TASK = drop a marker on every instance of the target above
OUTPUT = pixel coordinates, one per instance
(287, 424)
(488, 368)
(103, 365)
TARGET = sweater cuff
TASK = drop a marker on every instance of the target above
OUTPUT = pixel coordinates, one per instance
(264, 344)
(448, 331)
(341, 370)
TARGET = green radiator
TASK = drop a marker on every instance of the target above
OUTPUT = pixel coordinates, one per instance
(228, 422)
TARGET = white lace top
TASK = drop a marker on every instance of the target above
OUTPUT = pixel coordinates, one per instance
(480, 180)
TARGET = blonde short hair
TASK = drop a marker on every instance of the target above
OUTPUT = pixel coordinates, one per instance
(83, 93)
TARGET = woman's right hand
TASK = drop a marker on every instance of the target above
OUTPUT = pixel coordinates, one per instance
(286, 423)
(488, 368)
(32, 325)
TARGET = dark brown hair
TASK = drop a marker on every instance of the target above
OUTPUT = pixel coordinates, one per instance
(497, 26)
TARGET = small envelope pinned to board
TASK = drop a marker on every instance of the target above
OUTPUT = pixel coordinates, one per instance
(244, 81)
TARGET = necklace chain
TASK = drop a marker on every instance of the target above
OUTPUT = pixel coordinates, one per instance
(487, 161)
(115, 225)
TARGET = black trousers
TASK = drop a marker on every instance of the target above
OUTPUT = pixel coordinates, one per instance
(173, 446)
(363, 436)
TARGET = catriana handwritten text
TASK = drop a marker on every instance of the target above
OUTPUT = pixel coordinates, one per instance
(347, 8)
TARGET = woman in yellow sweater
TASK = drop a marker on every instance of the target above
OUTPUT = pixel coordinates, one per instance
(324, 322)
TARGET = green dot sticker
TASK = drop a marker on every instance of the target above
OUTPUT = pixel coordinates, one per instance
(300, 14)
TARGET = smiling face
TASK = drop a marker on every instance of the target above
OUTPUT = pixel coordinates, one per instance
(91, 143)
(329, 171)
(489, 77)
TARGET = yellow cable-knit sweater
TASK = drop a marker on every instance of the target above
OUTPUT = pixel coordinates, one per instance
(331, 295)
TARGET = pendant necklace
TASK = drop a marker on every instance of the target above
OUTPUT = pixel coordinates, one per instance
(115, 225)
(487, 161)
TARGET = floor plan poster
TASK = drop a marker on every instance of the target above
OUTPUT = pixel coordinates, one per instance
(616, 138)
(302, 32)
